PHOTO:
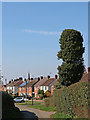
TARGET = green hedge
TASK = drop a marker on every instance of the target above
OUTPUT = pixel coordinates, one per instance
(9, 110)
(72, 100)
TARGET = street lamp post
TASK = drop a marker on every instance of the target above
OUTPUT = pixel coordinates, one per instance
(32, 97)
(26, 89)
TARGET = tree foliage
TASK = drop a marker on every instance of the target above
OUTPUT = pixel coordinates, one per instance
(40, 92)
(47, 93)
(71, 52)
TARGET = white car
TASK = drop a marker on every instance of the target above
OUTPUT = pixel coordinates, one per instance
(19, 99)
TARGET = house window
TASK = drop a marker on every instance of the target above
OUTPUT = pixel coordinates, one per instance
(29, 88)
(42, 87)
(45, 87)
(52, 86)
(35, 88)
(35, 94)
(22, 88)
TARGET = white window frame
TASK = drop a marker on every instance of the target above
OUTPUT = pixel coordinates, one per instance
(35, 88)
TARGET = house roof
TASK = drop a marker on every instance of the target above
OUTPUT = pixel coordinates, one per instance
(85, 77)
(48, 82)
(29, 83)
(17, 82)
(40, 82)
(32, 82)
(54, 82)
(45, 82)
(23, 84)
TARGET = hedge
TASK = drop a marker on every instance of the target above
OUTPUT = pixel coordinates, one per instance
(9, 110)
(72, 100)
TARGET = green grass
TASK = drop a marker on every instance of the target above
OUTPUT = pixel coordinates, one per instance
(60, 115)
(38, 105)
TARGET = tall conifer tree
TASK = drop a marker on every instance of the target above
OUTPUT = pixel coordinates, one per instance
(71, 52)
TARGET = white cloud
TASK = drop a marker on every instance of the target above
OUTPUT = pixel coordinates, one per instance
(41, 32)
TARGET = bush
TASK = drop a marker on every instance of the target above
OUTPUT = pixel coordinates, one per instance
(41, 96)
(50, 101)
(7, 100)
(73, 100)
(47, 93)
(8, 108)
(40, 92)
(47, 103)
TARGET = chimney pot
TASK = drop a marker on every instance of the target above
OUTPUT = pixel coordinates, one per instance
(88, 69)
(55, 76)
(41, 77)
(9, 81)
(31, 78)
(48, 77)
(38, 78)
(20, 78)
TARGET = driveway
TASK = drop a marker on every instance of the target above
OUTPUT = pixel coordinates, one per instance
(33, 113)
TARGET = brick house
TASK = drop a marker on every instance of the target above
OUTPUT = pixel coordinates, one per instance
(12, 86)
(44, 84)
(29, 87)
(86, 76)
(3, 87)
(53, 85)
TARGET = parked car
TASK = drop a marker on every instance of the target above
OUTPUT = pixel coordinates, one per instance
(19, 99)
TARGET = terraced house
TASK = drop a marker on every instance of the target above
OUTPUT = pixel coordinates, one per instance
(12, 86)
(45, 84)
(27, 87)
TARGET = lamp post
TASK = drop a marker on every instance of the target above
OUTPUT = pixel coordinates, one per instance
(32, 97)
(26, 89)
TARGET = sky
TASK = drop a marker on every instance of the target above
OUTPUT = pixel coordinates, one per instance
(31, 32)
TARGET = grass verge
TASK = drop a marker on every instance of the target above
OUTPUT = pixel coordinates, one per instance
(38, 105)
(61, 116)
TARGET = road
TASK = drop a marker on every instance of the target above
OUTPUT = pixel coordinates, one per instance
(33, 113)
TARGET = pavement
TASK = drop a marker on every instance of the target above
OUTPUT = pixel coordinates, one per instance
(33, 113)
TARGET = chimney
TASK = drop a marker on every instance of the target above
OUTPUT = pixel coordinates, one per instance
(28, 76)
(56, 76)
(88, 69)
(16, 80)
(38, 78)
(20, 78)
(41, 77)
(31, 79)
(48, 77)
(9, 81)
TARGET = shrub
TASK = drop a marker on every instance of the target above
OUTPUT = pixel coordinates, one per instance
(47, 103)
(7, 100)
(73, 100)
(41, 96)
(50, 101)
(47, 93)
(8, 108)
(40, 92)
